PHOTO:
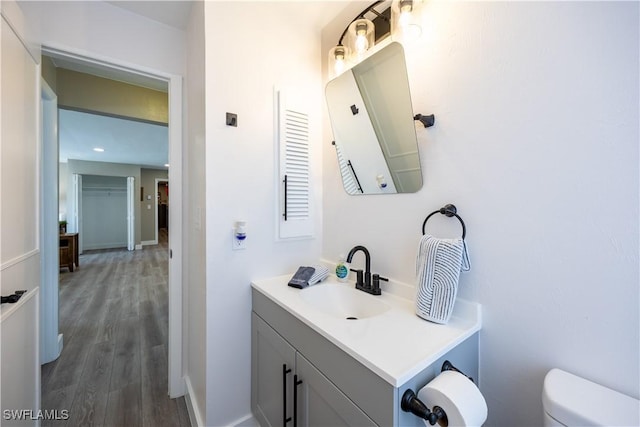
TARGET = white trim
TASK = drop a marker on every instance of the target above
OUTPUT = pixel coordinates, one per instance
(148, 243)
(131, 215)
(192, 405)
(176, 382)
(176, 344)
(247, 421)
(19, 259)
(50, 338)
(7, 312)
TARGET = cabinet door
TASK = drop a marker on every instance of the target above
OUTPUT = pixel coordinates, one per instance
(322, 404)
(272, 361)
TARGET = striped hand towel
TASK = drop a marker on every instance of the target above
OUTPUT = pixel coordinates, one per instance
(438, 266)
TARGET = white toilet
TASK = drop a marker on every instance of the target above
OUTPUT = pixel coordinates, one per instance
(569, 400)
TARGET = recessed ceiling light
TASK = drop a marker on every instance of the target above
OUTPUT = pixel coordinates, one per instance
(98, 149)
(166, 165)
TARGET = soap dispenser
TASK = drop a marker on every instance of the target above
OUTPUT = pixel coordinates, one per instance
(342, 269)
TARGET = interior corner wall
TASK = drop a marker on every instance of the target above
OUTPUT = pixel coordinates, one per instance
(242, 67)
(536, 142)
(194, 290)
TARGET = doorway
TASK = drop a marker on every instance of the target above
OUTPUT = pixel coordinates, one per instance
(162, 207)
(176, 385)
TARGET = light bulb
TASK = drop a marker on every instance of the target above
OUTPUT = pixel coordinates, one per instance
(362, 44)
(405, 19)
(337, 60)
(360, 38)
(338, 67)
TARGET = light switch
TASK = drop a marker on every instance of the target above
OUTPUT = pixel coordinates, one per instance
(232, 119)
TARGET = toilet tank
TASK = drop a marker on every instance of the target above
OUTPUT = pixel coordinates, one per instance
(569, 400)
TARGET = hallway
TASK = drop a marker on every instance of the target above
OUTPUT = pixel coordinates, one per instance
(114, 317)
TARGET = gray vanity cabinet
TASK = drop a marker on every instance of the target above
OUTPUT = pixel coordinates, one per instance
(336, 389)
(288, 390)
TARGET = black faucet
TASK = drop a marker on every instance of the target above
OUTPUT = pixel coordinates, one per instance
(366, 285)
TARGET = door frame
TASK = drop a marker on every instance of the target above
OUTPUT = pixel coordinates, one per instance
(51, 340)
(176, 384)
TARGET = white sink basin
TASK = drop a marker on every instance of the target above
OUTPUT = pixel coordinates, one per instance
(343, 301)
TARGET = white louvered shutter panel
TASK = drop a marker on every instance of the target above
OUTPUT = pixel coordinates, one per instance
(295, 215)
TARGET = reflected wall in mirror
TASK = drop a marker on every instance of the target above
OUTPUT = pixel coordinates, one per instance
(373, 127)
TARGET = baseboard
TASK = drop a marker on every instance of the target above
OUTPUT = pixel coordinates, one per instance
(195, 416)
(246, 421)
(116, 245)
(149, 242)
(60, 344)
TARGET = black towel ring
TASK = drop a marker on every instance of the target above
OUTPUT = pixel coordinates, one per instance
(449, 211)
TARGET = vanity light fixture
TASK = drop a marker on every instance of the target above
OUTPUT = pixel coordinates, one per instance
(398, 18)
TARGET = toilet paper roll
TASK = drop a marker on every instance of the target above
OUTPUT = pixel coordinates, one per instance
(458, 396)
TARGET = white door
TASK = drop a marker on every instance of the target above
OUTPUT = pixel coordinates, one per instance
(19, 219)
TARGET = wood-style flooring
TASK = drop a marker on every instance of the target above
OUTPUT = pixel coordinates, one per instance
(113, 367)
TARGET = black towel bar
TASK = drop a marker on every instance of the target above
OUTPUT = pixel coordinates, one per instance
(449, 211)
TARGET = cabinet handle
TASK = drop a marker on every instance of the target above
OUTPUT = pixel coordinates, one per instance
(285, 371)
(285, 197)
(296, 383)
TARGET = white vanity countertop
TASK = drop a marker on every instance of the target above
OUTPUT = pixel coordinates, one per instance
(396, 344)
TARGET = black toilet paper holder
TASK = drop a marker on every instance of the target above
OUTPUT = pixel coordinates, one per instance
(411, 403)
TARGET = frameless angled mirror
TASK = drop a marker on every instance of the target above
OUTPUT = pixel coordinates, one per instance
(373, 127)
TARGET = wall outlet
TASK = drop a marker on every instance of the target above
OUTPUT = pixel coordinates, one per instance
(237, 244)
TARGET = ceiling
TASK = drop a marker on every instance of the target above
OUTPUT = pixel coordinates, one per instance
(123, 141)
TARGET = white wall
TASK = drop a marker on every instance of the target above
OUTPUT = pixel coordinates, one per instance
(107, 32)
(536, 142)
(250, 47)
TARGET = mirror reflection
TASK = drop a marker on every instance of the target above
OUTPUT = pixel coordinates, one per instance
(373, 128)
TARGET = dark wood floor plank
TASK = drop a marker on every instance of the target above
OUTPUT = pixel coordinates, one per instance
(107, 329)
(124, 407)
(126, 361)
(60, 399)
(68, 370)
(91, 394)
(157, 408)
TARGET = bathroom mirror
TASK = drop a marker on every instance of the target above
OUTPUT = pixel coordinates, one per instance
(373, 128)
